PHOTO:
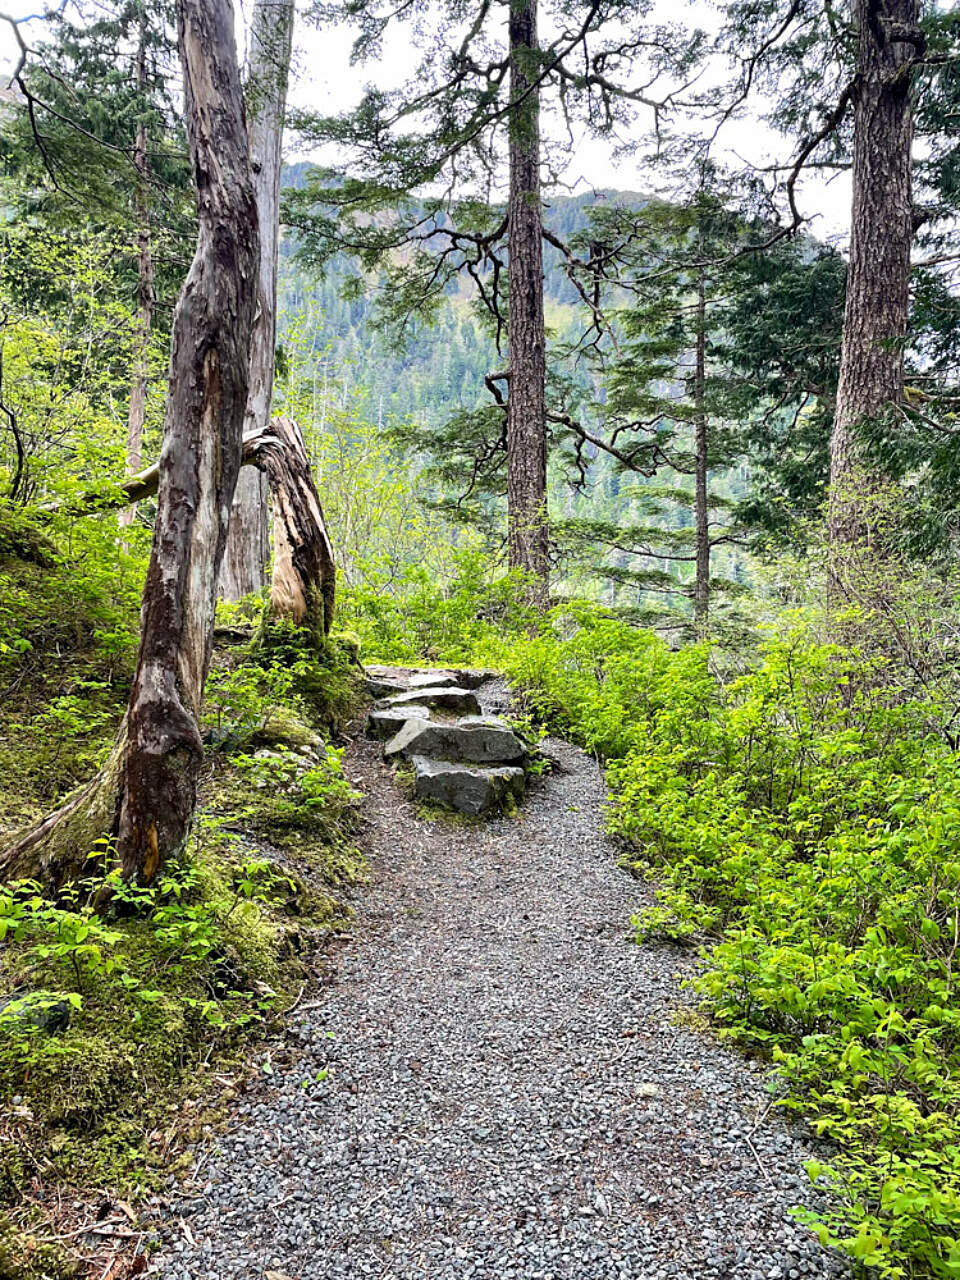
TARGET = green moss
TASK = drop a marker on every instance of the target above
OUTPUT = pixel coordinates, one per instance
(25, 1257)
(329, 678)
(183, 977)
(285, 728)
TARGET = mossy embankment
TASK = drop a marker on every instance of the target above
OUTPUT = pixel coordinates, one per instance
(125, 1028)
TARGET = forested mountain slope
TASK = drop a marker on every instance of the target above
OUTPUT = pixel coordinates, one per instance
(438, 367)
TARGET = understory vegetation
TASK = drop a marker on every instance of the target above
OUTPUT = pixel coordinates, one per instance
(127, 1010)
(802, 823)
(796, 799)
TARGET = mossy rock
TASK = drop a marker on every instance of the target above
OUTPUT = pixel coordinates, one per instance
(286, 729)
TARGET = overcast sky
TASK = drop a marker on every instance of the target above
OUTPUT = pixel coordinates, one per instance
(325, 80)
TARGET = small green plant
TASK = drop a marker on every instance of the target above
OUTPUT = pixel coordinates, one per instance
(240, 700)
(299, 794)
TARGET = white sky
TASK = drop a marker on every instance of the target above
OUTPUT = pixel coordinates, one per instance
(325, 80)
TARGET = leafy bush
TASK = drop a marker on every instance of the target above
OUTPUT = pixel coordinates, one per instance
(805, 819)
(413, 617)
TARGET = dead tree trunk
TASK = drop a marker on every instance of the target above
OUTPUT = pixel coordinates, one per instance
(146, 794)
(877, 300)
(526, 406)
(304, 574)
(271, 42)
(137, 412)
(701, 588)
(304, 577)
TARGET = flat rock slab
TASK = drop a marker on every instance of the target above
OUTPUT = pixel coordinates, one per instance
(416, 677)
(381, 687)
(453, 698)
(474, 791)
(386, 722)
(476, 739)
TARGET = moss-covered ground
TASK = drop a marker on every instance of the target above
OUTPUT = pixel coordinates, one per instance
(125, 1030)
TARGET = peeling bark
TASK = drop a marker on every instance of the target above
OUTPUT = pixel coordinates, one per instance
(304, 576)
(145, 796)
(271, 42)
(305, 551)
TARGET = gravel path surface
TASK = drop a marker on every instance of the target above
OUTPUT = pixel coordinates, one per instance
(495, 1084)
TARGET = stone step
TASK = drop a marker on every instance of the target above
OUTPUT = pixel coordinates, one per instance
(381, 686)
(451, 698)
(415, 677)
(476, 739)
(386, 722)
(467, 789)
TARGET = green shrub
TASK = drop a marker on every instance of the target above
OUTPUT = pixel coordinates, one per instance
(414, 618)
(806, 822)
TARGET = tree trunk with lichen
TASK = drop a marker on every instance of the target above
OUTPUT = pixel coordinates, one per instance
(526, 403)
(144, 798)
(878, 280)
(271, 43)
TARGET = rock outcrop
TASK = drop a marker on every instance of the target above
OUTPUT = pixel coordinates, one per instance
(474, 739)
(472, 790)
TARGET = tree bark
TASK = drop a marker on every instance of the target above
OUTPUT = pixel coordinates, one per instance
(877, 299)
(137, 411)
(701, 588)
(248, 542)
(146, 794)
(271, 43)
(526, 407)
(303, 586)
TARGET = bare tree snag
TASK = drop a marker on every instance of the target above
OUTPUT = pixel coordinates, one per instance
(877, 299)
(271, 43)
(526, 403)
(137, 412)
(248, 542)
(304, 576)
(146, 794)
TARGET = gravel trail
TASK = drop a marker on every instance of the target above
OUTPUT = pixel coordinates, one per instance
(495, 1084)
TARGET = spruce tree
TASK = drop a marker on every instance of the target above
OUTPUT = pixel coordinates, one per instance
(850, 87)
(474, 102)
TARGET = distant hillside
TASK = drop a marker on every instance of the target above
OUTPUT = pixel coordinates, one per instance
(437, 368)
